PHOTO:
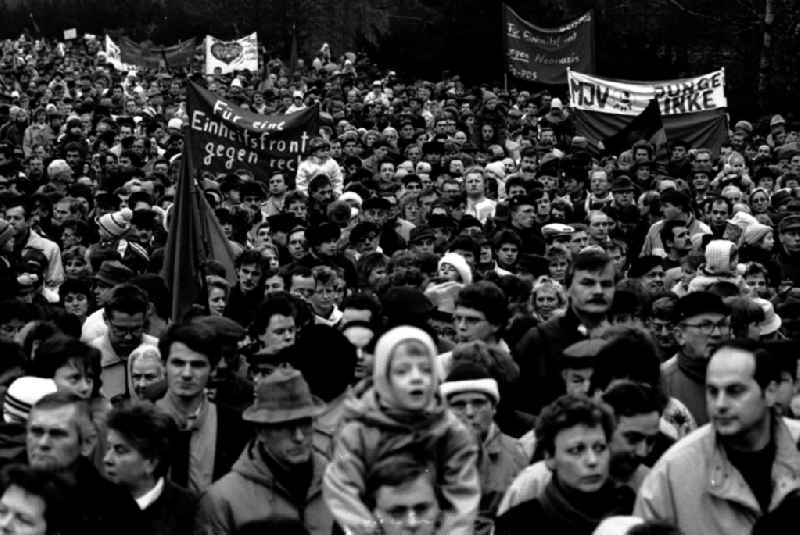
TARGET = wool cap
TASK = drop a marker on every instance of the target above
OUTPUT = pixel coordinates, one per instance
(116, 224)
(470, 377)
(22, 395)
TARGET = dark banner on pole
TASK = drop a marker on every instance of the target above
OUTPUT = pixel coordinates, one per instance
(226, 138)
(543, 54)
(153, 57)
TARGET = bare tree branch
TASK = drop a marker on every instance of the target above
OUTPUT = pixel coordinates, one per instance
(677, 4)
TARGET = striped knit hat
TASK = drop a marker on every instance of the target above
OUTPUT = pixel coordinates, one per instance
(115, 224)
(23, 394)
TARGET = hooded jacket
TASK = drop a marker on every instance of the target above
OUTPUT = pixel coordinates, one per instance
(250, 492)
(375, 427)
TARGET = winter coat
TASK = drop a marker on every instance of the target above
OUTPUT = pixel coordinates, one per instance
(311, 167)
(695, 487)
(370, 434)
(501, 460)
(172, 513)
(250, 493)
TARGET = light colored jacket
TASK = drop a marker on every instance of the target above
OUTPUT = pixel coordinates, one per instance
(696, 488)
(501, 460)
(249, 492)
(370, 434)
(311, 167)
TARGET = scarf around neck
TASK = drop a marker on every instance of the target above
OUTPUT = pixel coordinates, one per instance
(579, 512)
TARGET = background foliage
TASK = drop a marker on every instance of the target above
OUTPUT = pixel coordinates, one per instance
(755, 40)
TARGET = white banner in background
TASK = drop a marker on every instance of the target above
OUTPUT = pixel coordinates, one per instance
(230, 56)
(622, 97)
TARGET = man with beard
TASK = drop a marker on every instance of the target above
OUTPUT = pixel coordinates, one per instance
(124, 315)
(528, 164)
(590, 291)
(703, 326)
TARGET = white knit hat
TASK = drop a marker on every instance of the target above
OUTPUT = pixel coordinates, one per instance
(22, 395)
(461, 265)
(469, 377)
(116, 224)
(58, 167)
(718, 256)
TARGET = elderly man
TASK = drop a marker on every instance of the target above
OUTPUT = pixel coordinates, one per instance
(723, 477)
(703, 325)
(473, 395)
(278, 474)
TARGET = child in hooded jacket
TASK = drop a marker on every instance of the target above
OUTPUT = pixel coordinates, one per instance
(402, 409)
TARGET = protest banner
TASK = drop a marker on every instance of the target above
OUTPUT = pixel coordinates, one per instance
(543, 54)
(223, 137)
(70, 34)
(622, 97)
(693, 110)
(149, 56)
(226, 57)
(114, 56)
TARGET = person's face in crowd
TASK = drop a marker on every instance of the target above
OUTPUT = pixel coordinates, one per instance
(679, 153)
(699, 336)
(408, 509)
(370, 244)
(279, 334)
(737, 406)
(249, 275)
(270, 257)
(262, 236)
(76, 304)
(289, 443)
(277, 185)
(471, 325)
(528, 165)
(507, 254)
(187, 371)
(653, 281)
(273, 284)
(516, 191)
(10, 329)
(217, 301)
(22, 513)
(545, 301)
(426, 202)
(450, 190)
(641, 155)
(557, 267)
(790, 238)
(632, 442)
(36, 166)
(73, 378)
(663, 332)
(767, 242)
(449, 272)
(784, 393)
(145, 373)
(719, 213)
(577, 241)
(252, 203)
(376, 215)
(764, 151)
(580, 459)
(386, 172)
(324, 297)
(414, 154)
(125, 331)
(577, 381)
(757, 282)
(361, 337)
(18, 219)
(591, 292)
(759, 203)
(543, 207)
(476, 410)
(700, 182)
(681, 240)
(125, 465)
(670, 212)
(323, 195)
(53, 440)
(73, 158)
(411, 375)
(618, 257)
(599, 224)
(523, 216)
(376, 276)
(474, 184)
(302, 287)
(624, 199)
(296, 244)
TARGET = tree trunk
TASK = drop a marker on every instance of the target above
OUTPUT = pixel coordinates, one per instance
(766, 55)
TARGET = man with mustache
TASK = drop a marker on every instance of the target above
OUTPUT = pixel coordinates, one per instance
(590, 292)
(703, 326)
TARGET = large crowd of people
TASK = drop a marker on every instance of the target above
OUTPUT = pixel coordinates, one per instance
(454, 316)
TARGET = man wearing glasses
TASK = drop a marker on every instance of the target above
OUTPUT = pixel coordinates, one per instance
(703, 326)
(124, 314)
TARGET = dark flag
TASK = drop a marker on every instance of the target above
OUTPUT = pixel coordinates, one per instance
(648, 126)
(293, 51)
(195, 236)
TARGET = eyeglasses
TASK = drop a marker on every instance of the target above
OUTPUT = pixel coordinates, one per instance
(707, 327)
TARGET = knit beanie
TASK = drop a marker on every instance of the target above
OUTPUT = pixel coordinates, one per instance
(22, 395)
(384, 350)
(718, 256)
(470, 377)
(752, 234)
(58, 167)
(461, 265)
(116, 224)
(6, 231)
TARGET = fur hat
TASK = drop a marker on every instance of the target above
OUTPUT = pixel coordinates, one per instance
(461, 265)
(116, 224)
(470, 377)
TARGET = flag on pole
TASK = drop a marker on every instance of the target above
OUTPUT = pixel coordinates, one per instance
(647, 125)
(293, 51)
(195, 236)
